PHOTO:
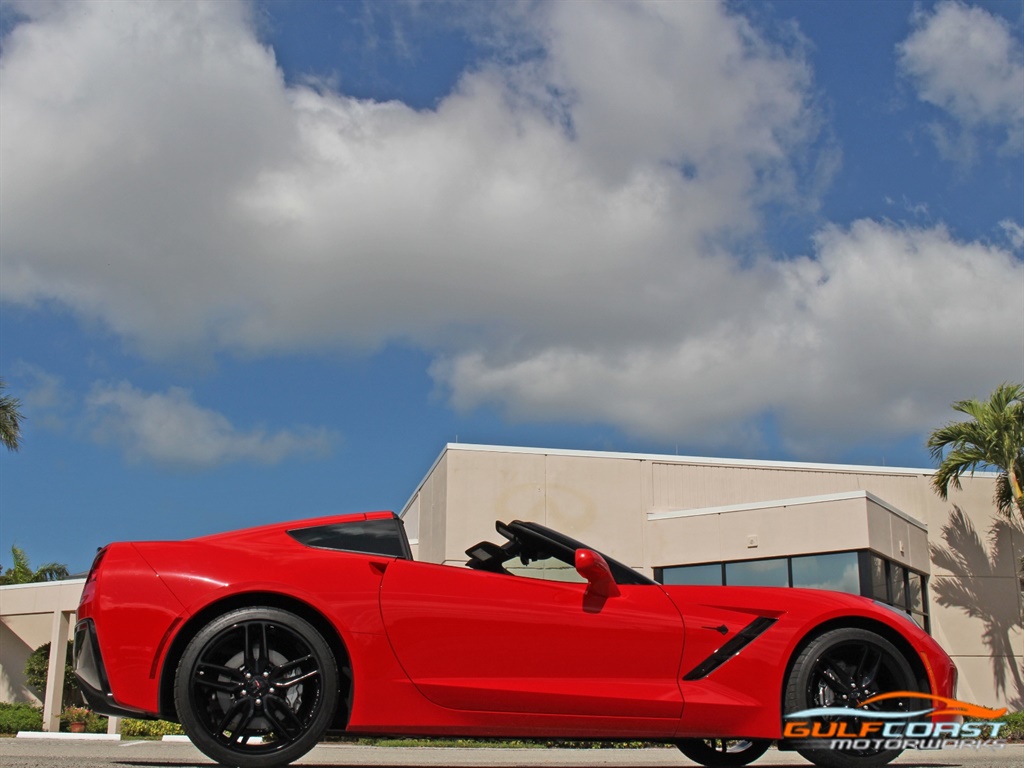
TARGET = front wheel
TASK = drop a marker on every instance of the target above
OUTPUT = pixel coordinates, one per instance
(723, 753)
(841, 670)
(256, 688)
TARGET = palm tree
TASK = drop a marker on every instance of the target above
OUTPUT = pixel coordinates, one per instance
(21, 572)
(992, 438)
(10, 419)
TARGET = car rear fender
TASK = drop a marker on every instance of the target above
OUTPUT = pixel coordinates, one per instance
(127, 638)
(327, 629)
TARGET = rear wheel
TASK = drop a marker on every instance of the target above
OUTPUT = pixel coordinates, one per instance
(256, 688)
(723, 753)
(844, 668)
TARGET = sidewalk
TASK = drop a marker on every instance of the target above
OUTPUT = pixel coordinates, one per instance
(65, 753)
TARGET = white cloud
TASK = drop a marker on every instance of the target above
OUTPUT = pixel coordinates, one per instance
(47, 402)
(559, 233)
(969, 63)
(169, 428)
(869, 336)
(160, 175)
(1014, 233)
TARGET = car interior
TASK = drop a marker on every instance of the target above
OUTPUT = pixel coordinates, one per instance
(531, 542)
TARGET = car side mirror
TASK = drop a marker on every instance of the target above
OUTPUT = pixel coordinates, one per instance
(594, 568)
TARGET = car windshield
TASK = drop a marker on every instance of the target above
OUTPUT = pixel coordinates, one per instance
(531, 542)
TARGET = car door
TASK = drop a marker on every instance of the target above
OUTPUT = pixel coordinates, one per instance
(472, 640)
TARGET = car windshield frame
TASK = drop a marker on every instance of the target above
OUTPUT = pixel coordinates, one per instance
(531, 542)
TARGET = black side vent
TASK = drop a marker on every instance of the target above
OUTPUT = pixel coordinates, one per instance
(730, 649)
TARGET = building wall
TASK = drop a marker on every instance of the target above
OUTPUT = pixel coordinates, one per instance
(19, 636)
(622, 504)
(27, 616)
(827, 523)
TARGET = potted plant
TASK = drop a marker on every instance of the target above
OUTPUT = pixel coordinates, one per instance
(76, 717)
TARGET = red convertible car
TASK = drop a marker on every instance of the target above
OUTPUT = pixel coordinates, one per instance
(259, 641)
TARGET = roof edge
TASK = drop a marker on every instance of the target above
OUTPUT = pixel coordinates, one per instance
(793, 502)
(47, 584)
(703, 460)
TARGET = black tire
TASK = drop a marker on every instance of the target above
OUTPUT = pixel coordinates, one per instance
(256, 688)
(723, 753)
(843, 668)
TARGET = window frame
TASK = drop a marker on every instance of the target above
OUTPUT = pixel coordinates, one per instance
(866, 559)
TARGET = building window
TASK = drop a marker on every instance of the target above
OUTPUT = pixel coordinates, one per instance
(709, 575)
(758, 573)
(838, 571)
(915, 582)
(879, 581)
(857, 572)
(895, 585)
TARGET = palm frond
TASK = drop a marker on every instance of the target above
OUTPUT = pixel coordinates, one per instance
(993, 438)
(21, 572)
(10, 420)
(51, 572)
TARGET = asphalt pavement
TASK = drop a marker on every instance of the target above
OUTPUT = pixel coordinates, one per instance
(83, 753)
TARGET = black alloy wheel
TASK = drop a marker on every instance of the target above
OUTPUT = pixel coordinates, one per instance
(723, 753)
(256, 688)
(844, 668)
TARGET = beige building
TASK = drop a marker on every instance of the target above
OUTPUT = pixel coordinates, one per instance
(879, 531)
(30, 615)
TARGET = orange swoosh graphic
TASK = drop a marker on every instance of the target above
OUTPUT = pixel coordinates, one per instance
(952, 706)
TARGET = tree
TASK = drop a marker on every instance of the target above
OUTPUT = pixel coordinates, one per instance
(37, 671)
(21, 572)
(10, 420)
(992, 438)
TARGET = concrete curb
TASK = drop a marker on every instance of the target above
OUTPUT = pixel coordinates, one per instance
(185, 739)
(68, 736)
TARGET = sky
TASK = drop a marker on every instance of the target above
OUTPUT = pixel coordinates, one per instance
(262, 260)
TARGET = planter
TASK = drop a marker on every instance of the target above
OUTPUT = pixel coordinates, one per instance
(76, 727)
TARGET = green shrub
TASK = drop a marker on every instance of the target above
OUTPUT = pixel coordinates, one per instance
(577, 744)
(150, 729)
(75, 714)
(37, 670)
(1014, 728)
(20, 717)
(95, 723)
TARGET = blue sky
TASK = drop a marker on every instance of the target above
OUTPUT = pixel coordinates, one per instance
(261, 261)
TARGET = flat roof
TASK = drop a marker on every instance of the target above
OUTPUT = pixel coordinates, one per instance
(668, 458)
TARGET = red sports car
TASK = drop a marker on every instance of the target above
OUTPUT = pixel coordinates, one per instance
(258, 641)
